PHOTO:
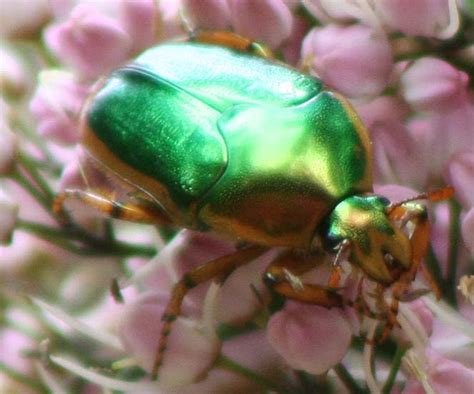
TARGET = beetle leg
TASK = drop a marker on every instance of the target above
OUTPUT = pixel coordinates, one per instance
(231, 40)
(419, 243)
(280, 277)
(342, 254)
(141, 211)
(221, 266)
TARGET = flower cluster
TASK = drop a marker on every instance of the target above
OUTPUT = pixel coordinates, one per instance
(83, 296)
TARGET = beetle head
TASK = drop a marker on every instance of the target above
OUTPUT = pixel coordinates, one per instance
(377, 244)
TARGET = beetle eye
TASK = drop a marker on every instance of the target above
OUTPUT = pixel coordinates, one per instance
(332, 242)
(385, 201)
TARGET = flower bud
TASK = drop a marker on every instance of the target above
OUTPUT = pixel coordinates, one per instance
(428, 18)
(208, 14)
(269, 21)
(355, 60)
(15, 78)
(309, 337)
(190, 352)
(433, 84)
(443, 376)
(56, 105)
(23, 18)
(139, 19)
(89, 41)
(467, 229)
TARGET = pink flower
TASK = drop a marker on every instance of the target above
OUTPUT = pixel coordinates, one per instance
(395, 151)
(190, 249)
(443, 376)
(89, 41)
(190, 352)
(467, 229)
(460, 174)
(139, 19)
(15, 76)
(291, 47)
(254, 352)
(423, 315)
(23, 18)
(269, 21)
(440, 136)
(310, 337)
(56, 105)
(208, 14)
(433, 84)
(355, 60)
(427, 18)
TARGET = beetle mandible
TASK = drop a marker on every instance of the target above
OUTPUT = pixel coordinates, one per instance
(220, 137)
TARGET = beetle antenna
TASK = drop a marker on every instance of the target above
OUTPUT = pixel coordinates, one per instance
(444, 193)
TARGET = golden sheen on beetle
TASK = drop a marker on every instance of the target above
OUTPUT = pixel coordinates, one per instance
(217, 136)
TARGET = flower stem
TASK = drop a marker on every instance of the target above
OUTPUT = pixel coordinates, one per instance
(32, 170)
(344, 375)
(95, 246)
(228, 364)
(396, 363)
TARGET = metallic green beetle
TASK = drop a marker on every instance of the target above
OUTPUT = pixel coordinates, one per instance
(221, 139)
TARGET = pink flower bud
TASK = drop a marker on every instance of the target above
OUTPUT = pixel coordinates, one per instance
(309, 337)
(328, 10)
(427, 18)
(190, 350)
(190, 249)
(139, 19)
(355, 60)
(208, 14)
(170, 21)
(89, 41)
(8, 217)
(394, 148)
(460, 174)
(56, 105)
(269, 21)
(8, 145)
(433, 84)
(23, 18)
(468, 230)
(291, 48)
(443, 375)
(15, 78)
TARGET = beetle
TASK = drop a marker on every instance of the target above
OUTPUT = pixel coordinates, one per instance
(218, 136)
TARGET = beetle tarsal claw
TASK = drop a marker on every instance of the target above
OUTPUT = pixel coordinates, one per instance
(294, 281)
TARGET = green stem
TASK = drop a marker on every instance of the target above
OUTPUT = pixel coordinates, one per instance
(35, 193)
(396, 363)
(228, 364)
(454, 236)
(344, 375)
(32, 170)
(95, 246)
(22, 378)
